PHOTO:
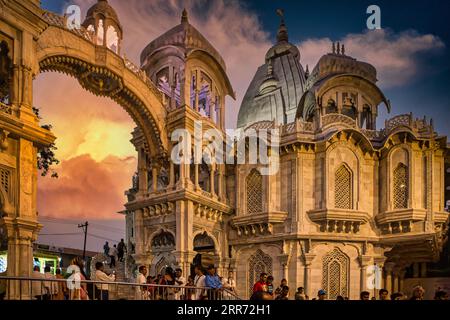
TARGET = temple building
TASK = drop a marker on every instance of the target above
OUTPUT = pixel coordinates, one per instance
(347, 201)
(349, 206)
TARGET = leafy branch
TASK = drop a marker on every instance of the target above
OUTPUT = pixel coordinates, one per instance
(46, 156)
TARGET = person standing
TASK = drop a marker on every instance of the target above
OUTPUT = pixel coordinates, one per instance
(112, 255)
(179, 281)
(141, 293)
(79, 292)
(280, 288)
(213, 282)
(62, 286)
(383, 294)
(418, 293)
(300, 294)
(106, 248)
(364, 295)
(121, 247)
(100, 275)
(51, 287)
(270, 288)
(261, 285)
(199, 283)
(321, 294)
(229, 284)
(37, 286)
(284, 294)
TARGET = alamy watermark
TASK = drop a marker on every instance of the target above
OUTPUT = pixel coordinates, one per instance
(374, 20)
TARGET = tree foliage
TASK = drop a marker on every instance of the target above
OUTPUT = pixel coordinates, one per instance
(46, 156)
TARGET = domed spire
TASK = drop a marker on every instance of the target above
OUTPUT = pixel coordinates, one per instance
(184, 16)
(282, 35)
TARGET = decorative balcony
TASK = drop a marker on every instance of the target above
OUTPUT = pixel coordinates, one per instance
(339, 220)
(402, 220)
(258, 224)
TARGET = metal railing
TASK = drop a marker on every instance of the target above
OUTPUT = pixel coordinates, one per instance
(33, 288)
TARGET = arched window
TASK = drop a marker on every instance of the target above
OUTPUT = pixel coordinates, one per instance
(258, 263)
(401, 187)
(335, 274)
(254, 192)
(343, 188)
(100, 33)
(112, 39)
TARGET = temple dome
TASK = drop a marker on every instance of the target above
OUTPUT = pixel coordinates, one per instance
(276, 89)
(103, 8)
(187, 38)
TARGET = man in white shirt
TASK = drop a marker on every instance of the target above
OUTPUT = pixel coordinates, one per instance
(141, 293)
(179, 281)
(37, 286)
(100, 275)
(199, 282)
(112, 255)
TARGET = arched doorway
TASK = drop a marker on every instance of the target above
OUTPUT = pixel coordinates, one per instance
(205, 248)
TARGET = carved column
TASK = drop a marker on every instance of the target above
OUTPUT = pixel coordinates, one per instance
(197, 186)
(211, 179)
(364, 262)
(156, 167)
(221, 183)
(142, 172)
(388, 269)
(171, 175)
(423, 270)
(284, 260)
(308, 258)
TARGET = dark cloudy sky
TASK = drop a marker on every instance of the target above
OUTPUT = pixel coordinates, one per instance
(410, 52)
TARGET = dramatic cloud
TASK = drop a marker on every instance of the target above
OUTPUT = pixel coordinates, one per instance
(86, 189)
(395, 56)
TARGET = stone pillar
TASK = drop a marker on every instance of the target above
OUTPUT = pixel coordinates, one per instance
(416, 270)
(401, 284)
(364, 262)
(197, 186)
(388, 269)
(308, 259)
(142, 172)
(212, 174)
(171, 175)
(221, 183)
(423, 270)
(155, 172)
(284, 260)
(21, 233)
(395, 281)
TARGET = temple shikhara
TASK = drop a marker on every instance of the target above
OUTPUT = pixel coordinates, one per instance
(348, 196)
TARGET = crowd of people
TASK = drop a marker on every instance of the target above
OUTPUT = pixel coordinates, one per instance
(172, 285)
(263, 289)
(115, 253)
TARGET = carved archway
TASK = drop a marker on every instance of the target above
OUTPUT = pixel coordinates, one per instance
(104, 73)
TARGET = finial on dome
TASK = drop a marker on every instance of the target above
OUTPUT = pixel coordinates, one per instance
(334, 48)
(343, 50)
(307, 72)
(184, 16)
(338, 48)
(282, 35)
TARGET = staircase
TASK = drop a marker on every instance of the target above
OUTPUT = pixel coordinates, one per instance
(116, 291)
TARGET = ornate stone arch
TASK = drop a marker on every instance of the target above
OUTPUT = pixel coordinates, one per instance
(162, 240)
(203, 232)
(336, 274)
(104, 73)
